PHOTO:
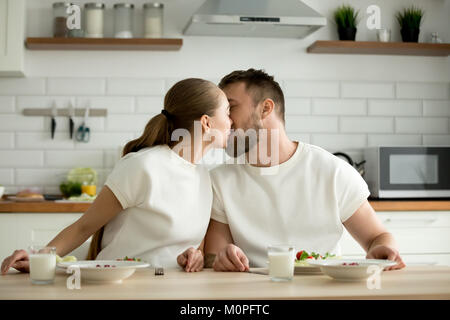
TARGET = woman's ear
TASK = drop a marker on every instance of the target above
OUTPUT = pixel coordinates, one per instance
(267, 108)
(206, 123)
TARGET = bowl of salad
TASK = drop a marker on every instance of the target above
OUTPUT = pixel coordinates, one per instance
(302, 259)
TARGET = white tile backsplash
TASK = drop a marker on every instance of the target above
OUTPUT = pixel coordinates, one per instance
(367, 124)
(136, 87)
(18, 122)
(22, 86)
(335, 115)
(335, 142)
(75, 86)
(423, 90)
(105, 140)
(367, 90)
(305, 124)
(436, 139)
(297, 106)
(79, 158)
(113, 105)
(311, 88)
(394, 140)
(133, 123)
(6, 176)
(435, 108)
(7, 104)
(6, 140)
(355, 107)
(421, 125)
(43, 140)
(395, 108)
(21, 158)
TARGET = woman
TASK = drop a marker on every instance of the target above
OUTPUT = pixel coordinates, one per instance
(156, 202)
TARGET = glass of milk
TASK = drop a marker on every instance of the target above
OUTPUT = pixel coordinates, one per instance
(281, 262)
(42, 264)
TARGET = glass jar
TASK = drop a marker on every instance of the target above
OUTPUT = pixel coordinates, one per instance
(123, 20)
(93, 17)
(153, 13)
(60, 16)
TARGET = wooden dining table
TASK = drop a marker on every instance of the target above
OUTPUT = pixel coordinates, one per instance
(412, 282)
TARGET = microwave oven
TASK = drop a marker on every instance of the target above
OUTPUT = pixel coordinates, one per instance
(408, 172)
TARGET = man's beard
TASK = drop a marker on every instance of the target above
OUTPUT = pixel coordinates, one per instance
(243, 140)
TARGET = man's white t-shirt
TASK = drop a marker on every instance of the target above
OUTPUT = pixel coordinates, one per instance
(301, 202)
(167, 206)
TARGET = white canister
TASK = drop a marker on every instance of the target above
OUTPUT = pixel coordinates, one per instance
(94, 16)
(123, 20)
(153, 18)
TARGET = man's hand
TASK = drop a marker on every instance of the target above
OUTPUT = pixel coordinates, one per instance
(231, 258)
(385, 252)
(191, 260)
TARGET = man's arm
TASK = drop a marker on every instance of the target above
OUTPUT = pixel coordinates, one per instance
(220, 252)
(369, 232)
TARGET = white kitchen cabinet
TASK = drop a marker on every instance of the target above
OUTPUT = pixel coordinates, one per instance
(12, 35)
(422, 237)
(19, 230)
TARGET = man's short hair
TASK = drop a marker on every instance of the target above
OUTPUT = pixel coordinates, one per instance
(260, 86)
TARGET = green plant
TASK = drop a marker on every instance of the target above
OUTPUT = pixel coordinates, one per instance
(345, 16)
(69, 189)
(410, 18)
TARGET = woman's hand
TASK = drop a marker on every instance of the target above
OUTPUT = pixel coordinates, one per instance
(385, 252)
(191, 260)
(18, 260)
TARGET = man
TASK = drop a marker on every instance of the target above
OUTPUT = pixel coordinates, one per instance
(303, 196)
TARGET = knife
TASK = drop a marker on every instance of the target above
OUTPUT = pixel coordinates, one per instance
(71, 122)
(54, 114)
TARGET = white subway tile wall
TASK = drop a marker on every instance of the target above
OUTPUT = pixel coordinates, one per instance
(335, 115)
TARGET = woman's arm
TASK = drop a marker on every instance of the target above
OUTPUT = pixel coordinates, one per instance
(103, 209)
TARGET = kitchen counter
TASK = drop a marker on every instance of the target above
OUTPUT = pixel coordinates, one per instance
(378, 205)
(418, 282)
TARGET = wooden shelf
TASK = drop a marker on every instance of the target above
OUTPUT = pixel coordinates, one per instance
(385, 48)
(162, 44)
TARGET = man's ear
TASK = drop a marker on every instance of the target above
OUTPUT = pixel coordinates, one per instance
(267, 108)
(206, 123)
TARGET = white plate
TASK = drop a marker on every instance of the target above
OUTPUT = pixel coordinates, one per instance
(337, 270)
(105, 270)
(306, 269)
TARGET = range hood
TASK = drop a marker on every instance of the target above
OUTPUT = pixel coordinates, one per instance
(255, 18)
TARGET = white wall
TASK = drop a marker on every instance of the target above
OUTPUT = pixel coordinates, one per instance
(339, 102)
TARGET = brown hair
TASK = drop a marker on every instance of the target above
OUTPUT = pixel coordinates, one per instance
(260, 85)
(188, 100)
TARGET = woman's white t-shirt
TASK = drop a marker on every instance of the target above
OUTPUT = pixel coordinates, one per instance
(167, 206)
(302, 202)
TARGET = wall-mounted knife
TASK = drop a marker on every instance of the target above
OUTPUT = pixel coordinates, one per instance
(54, 114)
(71, 116)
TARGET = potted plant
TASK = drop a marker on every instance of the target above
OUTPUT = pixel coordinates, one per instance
(346, 19)
(410, 20)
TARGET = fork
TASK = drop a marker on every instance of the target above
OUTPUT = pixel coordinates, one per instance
(159, 271)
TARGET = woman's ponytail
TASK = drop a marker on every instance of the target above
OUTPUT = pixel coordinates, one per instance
(156, 132)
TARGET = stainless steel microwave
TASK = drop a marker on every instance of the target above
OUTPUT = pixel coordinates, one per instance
(408, 172)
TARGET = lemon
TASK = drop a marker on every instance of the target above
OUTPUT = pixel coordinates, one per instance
(69, 259)
(66, 259)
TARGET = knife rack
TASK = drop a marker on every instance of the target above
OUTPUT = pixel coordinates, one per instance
(64, 112)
